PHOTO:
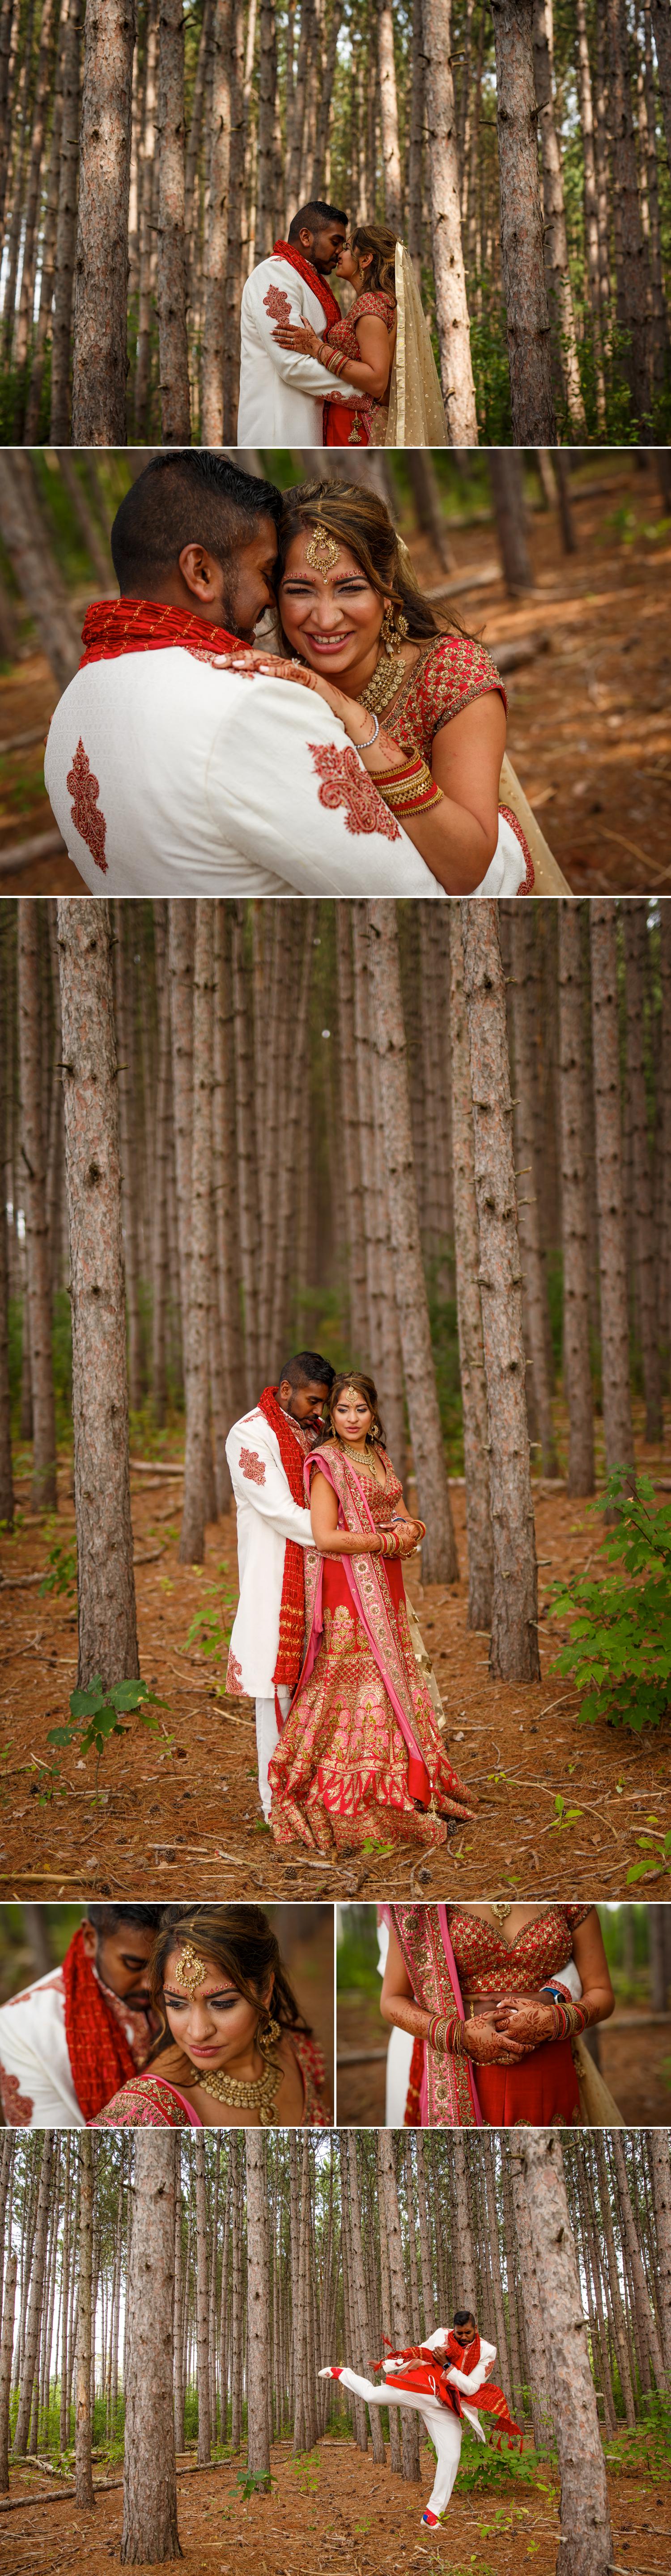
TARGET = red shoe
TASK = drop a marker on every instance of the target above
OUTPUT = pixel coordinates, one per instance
(332, 2370)
(429, 2521)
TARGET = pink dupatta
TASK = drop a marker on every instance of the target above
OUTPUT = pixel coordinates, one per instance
(367, 1594)
(452, 2100)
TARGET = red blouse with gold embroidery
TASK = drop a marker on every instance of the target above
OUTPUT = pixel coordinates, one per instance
(342, 336)
(451, 671)
(540, 1949)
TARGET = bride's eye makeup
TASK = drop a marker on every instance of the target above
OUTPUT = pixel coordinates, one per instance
(219, 2003)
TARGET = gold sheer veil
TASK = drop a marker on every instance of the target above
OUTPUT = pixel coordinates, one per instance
(416, 415)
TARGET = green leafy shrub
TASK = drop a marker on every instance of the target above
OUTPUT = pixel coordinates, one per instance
(619, 1649)
(96, 1714)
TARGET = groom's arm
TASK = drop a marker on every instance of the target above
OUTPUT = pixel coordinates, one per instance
(269, 304)
(256, 1478)
(290, 793)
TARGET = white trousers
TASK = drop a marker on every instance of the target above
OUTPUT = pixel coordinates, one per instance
(267, 1736)
(443, 2428)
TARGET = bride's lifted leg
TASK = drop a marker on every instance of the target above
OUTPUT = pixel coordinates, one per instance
(443, 2428)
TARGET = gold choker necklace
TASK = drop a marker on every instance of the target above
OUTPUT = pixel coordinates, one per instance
(387, 677)
(260, 2096)
(350, 1452)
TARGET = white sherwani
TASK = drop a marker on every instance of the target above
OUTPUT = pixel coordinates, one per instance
(443, 2428)
(168, 777)
(192, 781)
(267, 1516)
(281, 392)
(35, 2072)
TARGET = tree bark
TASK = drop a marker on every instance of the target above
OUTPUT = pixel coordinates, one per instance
(212, 396)
(389, 2187)
(29, 2357)
(522, 267)
(555, 246)
(584, 2515)
(106, 1588)
(391, 158)
(258, 2320)
(469, 1309)
(33, 571)
(100, 322)
(525, 1037)
(615, 1376)
(575, 1212)
(171, 262)
(505, 475)
(660, 2168)
(513, 1654)
(33, 1177)
(83, 2411)
(6, 2349)
(631, 250)
(66, 230)
(661, 27)
(452, 316)
(150, 2485)
(196, 1339)
(643, 1211)
(591, 201)
(439, 1555)
(202, 2315)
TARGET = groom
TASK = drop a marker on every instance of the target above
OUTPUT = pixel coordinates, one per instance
(281, 394)
(266, 1451)
(445, 2379)
(169, 775)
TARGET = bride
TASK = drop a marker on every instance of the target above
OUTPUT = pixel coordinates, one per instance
(234, 2051)
(382, 348)
(359, 1755)
(495, 1998)
(355, 628)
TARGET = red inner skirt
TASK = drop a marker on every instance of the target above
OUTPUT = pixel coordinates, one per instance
(336, 1595)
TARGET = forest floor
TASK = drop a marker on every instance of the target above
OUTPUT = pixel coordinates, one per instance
(590, 714)
(562, 1804)
(334, 2513)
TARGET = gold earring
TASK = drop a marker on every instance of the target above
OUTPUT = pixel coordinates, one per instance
(387, 629)
(266, 2038)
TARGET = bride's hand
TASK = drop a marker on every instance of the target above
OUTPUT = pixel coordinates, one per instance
(298, 336)
(274, 666)
(486, 2046)
(521, 2018)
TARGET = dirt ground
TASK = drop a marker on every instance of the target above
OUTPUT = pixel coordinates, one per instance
(520, 1747)
(590, 715)
(336, 2514)
(634, 2060)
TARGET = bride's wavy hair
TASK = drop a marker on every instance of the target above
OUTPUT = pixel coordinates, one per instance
(381, 241)
(366, 1387)
(361, 520)
(237, 1939)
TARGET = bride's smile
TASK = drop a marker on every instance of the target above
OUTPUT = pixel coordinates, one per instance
(333, 616)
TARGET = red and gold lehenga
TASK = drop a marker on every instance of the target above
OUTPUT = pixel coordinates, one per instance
(353, 424)
(360, 1745)
(454, 1956)
(149, 2102)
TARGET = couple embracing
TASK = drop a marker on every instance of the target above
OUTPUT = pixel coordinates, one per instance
(311, 376)
(348, 1738)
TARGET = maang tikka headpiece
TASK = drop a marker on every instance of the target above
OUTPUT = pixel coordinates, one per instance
(190, 1971)
(322, 552)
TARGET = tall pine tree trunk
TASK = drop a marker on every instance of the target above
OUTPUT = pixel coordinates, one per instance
(615, 1377)
(258, 2321)
(555, 246)
(6, 2349)
(106, 1589)
(197, 1460)
(469, 1309)
(150, 2485)
(452, 315)
(643, 1211)
(575, 1209)
(522, 265)
(33, 1177)
(85, 2322)
(100, 325)
(66, 229)
(171, 262)
(584, 2514)
(513, 1654)
(439, 1554)
(532, 1249)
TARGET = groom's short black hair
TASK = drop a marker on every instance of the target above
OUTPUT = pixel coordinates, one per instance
(307, 1368)
(108, 1918)
(310, 218)
(463, 2317)
(191, 496)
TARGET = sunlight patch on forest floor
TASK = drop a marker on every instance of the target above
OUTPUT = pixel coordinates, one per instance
(181, 1811)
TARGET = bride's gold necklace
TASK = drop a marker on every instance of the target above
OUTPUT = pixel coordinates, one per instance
(387, 677)
(260, 2095)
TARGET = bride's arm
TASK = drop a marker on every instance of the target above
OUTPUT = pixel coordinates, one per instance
(330, 1540)
(457, 836)
(398, 2006)
(368, 374)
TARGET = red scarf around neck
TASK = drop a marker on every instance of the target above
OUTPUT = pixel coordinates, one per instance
(99, 2055)
(330, 309)
(427, 2370)
(292, 1605)
(114, 626)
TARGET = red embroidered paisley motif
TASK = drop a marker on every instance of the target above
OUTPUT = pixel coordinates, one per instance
(234, 1678)
(252, 1466)
(516, 827)
(277, 304)
(17, 2107)
(344, 782)
(86, 815)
